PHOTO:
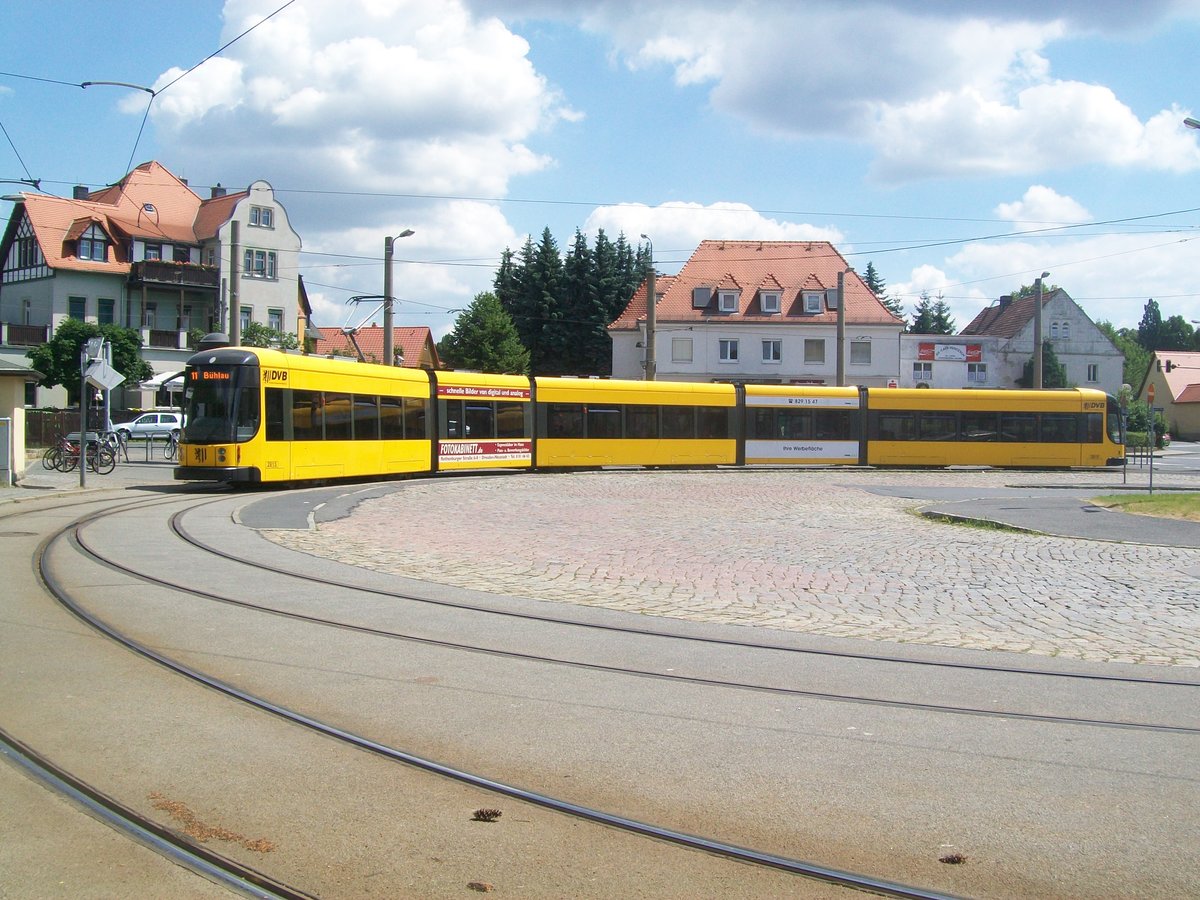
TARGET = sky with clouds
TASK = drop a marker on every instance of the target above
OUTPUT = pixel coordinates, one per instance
(963, 148)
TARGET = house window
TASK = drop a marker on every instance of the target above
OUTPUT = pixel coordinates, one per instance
(150, 315)
(210, 256)
(181, 254)
(976, 373)
(1054, 331)
(93, 245)
(275, 319)
(814, 351)
(106, 311)
(728, 350)
(259, 263)
(727, 302)
(1093, 373)
(153, 251)
(77, 308)
(27, 312)
(185, 318)
(262, 216)
(1066, 331)
(769, 302)
(772, 351)
(681, 350)
(812, 302)
(860, 353)
(831, 298)
(244, 317)
(923, 371)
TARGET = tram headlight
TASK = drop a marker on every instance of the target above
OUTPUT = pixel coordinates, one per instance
(220, 454)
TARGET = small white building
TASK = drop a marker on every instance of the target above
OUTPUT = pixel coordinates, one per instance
(761, 312)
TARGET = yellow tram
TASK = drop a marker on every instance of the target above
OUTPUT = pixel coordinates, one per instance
(256, 415)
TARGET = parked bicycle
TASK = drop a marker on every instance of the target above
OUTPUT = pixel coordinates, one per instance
(65, 456)
(52, 458)
(171, 450)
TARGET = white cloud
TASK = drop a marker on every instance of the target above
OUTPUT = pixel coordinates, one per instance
(397, 96)
(679, 226)
(1041, 205)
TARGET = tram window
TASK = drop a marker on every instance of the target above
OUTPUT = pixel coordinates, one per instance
(338, 423)
(678, 422)
(481, 423)
(641, 422)
(564, 420)
(712, 422)
(366, 418)
(1060, 428)
(603, 422)
(391, 418)
(510, 420)
(274, 404)
(1095, 427)
(897, 426)
(455, 426)
(1019, 427)
(416, 422)
(307, 416)
(246, 420)
(980, 426)
(795, 424)
(938, 426)
(833, 425)
(761, 425)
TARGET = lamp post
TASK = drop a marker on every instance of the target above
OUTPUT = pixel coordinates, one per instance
(1191, 123)
(388, 338)
(651, 314)
(1037, 333)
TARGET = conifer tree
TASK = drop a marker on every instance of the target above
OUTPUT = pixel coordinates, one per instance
(485, 338)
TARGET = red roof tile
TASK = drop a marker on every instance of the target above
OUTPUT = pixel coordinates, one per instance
(751, 266)
(415, 344)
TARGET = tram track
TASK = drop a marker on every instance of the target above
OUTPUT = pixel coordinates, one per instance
(77, 535)
(828, 696)
(251, 882)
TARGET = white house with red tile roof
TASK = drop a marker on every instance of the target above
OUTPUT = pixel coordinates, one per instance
(760, 312)
(1003, 334)
(1175, 377)
(413, 346)
(146, 253)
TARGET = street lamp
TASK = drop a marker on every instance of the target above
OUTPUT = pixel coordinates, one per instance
(651, 314)
(1037, 333)
(388, 338)
(1191, 123)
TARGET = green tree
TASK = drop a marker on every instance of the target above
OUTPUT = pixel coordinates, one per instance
(932, 316)
(1176, 334)
(256, 334)
(485, 338)
(58, 359)
(1054, 373)
(879, 288)
(1150, 328)
(1137, 357)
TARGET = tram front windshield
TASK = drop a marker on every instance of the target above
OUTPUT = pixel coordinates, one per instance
(221, 403)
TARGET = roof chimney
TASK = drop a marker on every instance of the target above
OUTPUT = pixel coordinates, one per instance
(217, 191)
(1005, 300)
(80, 192)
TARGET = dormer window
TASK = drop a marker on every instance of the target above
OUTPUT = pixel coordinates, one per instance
(831, 298)
(768, 301)
(813, 301)
(727, 302)
(93, 244)
(701, 297)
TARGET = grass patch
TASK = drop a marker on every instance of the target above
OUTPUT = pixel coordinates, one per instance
(1167, 505)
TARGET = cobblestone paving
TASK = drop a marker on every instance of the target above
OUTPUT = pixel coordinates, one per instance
(813, 552)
